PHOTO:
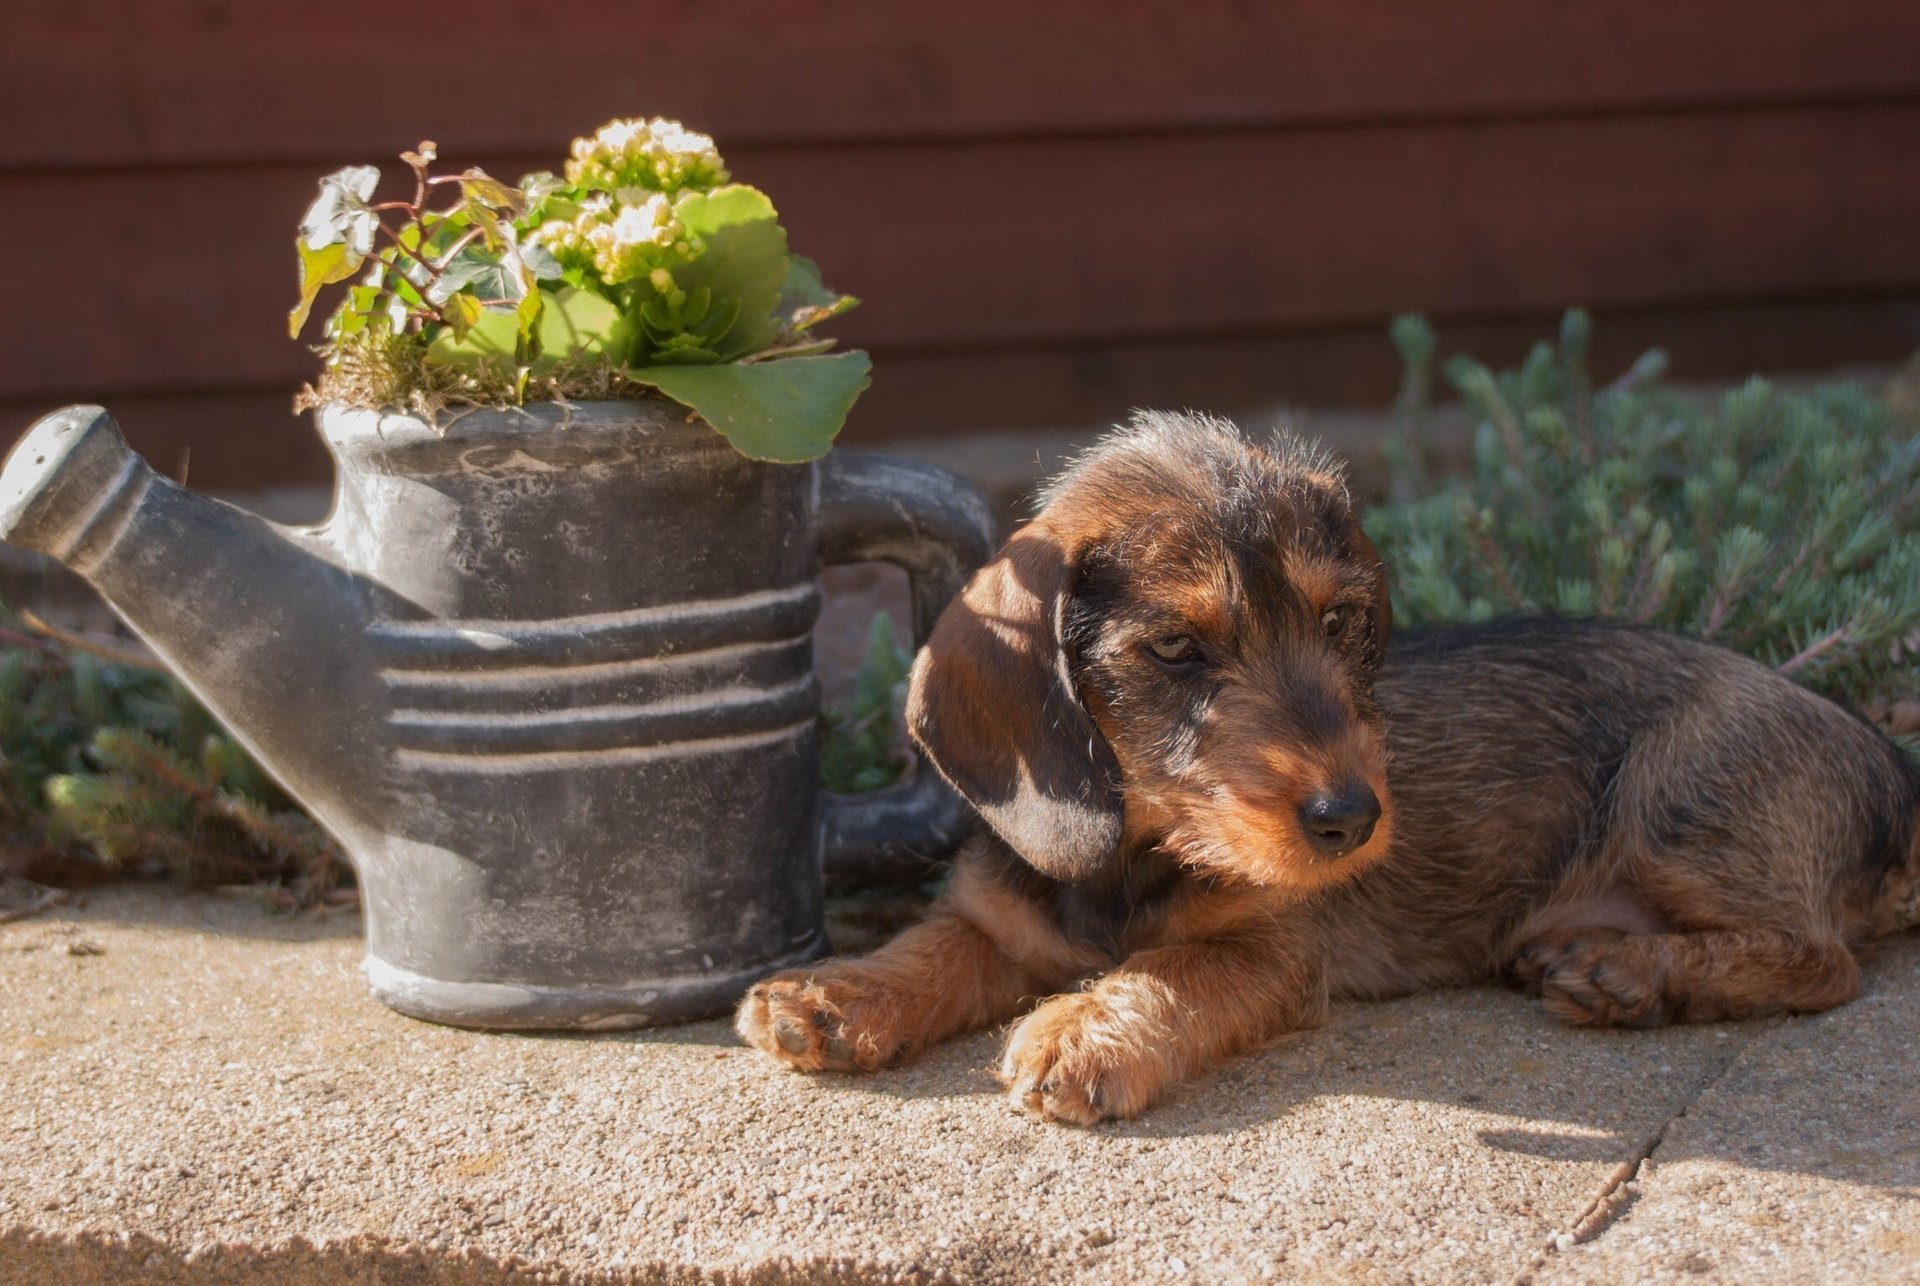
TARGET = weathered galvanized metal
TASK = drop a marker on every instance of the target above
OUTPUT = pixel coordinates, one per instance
(546, 674)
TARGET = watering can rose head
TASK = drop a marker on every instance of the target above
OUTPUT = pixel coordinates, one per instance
(641, 271)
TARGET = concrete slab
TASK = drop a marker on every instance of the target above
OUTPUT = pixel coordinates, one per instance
(199, 1090)
(1800, 1163)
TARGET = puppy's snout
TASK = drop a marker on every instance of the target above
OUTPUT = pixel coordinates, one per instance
(1340, 820)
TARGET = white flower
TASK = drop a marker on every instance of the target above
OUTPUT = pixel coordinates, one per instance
(617, 136)
(656, 154)
(643, 222)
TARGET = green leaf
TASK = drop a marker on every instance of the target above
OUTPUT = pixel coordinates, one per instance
(540, 261)
(745, 261)
(683, 350)
(482, 188)
(489, 276)
(318, 269)
(579, 325)
(785, 411)
(461, 312)
(352, 317)
(805, 300)
(527, 312)
(804, 287)
(494, 340)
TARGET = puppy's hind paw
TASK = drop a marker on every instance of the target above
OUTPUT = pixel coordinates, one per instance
(1530, 964)
(819, 1020)
(1604, 985)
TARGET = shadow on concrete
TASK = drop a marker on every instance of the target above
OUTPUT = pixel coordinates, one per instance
(1510, 1078)
(97, 1257)
(31, 1257)
(241, 913)
(1522, 1082)
(135, 1257)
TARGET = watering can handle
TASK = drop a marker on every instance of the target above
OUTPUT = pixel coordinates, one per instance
(938, 528)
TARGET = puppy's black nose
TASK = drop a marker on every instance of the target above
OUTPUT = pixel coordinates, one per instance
(1340, 820)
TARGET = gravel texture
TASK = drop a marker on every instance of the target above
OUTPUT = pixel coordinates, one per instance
(198, 1090)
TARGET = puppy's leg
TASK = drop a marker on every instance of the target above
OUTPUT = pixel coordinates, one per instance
(1646, 980)
(941, 977)
(1164, 1014)
(981, 955)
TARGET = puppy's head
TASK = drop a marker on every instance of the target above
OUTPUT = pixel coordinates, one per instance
(1179, 650)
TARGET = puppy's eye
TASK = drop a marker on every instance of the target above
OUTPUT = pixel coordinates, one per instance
(1175, 649)
(1333, 621)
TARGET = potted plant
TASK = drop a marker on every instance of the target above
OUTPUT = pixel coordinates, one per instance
(545, 669)
(641, 269)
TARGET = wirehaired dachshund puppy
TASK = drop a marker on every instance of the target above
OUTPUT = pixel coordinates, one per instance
(1216, 802)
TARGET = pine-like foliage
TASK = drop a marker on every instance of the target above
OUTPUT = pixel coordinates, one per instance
(1784, 525)
(861, 747)
(124, 764)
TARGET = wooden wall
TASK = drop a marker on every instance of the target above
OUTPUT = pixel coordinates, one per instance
(1054, 211)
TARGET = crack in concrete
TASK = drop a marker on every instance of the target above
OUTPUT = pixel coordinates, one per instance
(1621, 1187)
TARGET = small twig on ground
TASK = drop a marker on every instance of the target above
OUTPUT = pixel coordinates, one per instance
(49, 898)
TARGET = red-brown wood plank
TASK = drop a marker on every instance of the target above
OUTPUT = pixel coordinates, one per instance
(101, 82)
(216, 440)
(247, 440)
(928, 396)
(150, 281)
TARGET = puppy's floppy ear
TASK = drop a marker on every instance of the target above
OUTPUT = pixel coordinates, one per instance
(994, 705)
(1381, 612)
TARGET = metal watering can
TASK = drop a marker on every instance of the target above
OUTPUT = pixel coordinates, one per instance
(547, 674)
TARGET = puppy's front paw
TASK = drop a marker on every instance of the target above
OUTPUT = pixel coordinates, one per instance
(1081, 1059)
(824, 1019)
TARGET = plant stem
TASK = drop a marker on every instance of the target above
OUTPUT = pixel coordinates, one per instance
(14, 638)
(79, 642)
(1814, 649)
(468, 238)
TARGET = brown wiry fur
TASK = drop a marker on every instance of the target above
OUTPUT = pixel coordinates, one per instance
(1637, 828)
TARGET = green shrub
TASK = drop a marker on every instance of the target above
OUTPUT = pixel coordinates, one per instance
(121, 762)
(860, 745)
(1785, 525)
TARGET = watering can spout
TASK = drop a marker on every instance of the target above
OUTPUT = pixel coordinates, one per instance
(253, 617)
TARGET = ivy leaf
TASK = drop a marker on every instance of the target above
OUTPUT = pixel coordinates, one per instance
(340, 214)
(578, 325)
(540, 261)
(461, 313)
(436, 233)
(527, 312)
(785, 411)
(482, 188)
(745, 261)
(319, 267)
(362, 306)
(490, 277)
